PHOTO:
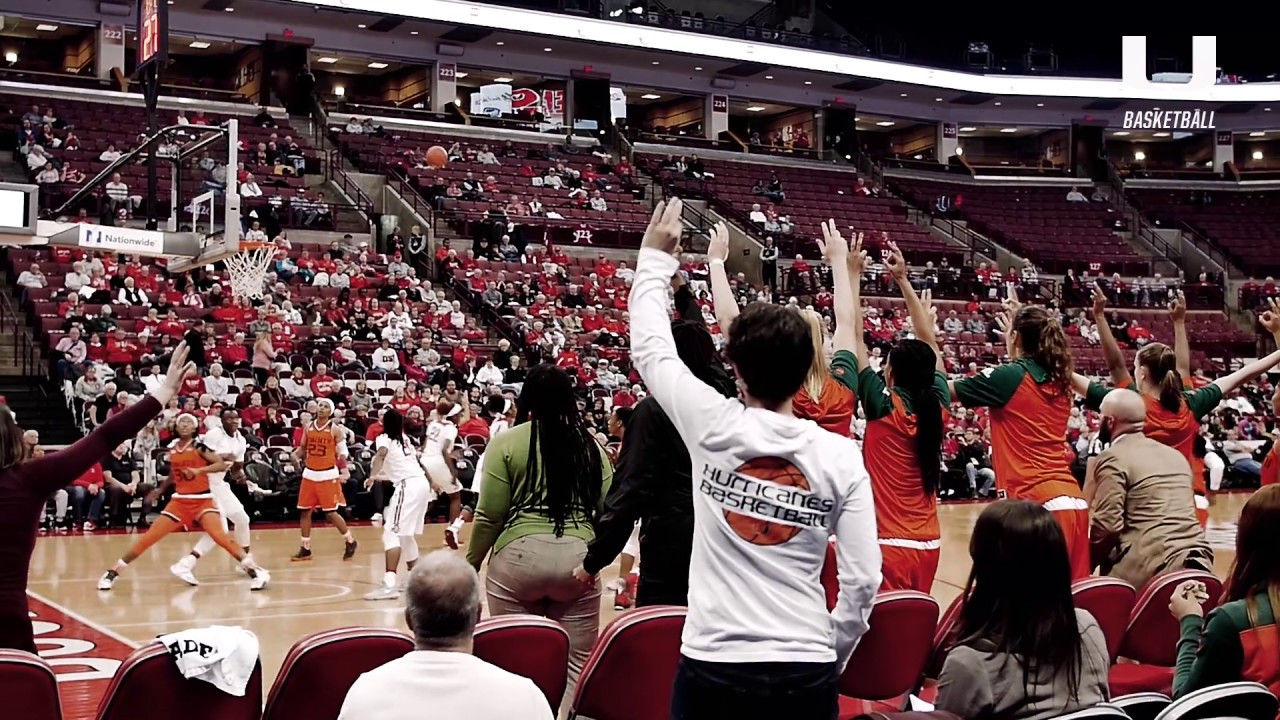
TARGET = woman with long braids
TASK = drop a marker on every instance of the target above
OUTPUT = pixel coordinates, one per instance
(397, 460)
(903, 408)
(1030, 399)
(1024, 652)
(544, 484)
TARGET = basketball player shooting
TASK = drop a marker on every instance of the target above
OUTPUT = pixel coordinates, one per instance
(322, 447)
(436, 460)
(404, 517)
(230, 445)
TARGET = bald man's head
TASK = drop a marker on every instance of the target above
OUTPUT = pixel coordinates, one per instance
(442, 602)
(1126, 410)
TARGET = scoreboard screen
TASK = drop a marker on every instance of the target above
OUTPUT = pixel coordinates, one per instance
(153, 33)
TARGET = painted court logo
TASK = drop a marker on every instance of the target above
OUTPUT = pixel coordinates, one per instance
(766, 501)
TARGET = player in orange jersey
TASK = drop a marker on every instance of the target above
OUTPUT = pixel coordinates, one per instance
(904, 412)
(1161, 374)
(192, 505)
(321, 453)
(821, 399)
(1030, 400)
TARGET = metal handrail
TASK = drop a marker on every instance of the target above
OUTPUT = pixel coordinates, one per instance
(25, 351)
(339, 176)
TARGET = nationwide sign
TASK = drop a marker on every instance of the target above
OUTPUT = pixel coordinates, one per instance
(1169, 120)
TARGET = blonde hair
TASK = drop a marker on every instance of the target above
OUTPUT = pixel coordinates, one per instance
(816, 380)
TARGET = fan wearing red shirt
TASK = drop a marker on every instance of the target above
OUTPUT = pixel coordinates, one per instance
(95, 350)
(226, 313)
(593, 321)
(233, 351)
(282, 338)
(475, 425)
(622, 397)
(605, 268)
(192, 386)
(568, 358)
(322, 382)
(120, 349)
(462, 353)
(172, 326)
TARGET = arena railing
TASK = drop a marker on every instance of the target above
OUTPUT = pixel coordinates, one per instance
(26, 353)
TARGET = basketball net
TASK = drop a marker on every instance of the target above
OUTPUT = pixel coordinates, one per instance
(248, 267)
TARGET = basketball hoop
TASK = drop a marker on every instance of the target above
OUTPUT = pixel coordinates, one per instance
(247, 268)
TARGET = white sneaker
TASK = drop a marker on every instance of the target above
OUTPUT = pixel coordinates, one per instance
(260, 579)
(182, 571)
(376, 520)
(383, 593)
(240, 570)
(106, 581)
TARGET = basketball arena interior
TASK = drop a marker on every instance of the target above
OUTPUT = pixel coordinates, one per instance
(632, 360)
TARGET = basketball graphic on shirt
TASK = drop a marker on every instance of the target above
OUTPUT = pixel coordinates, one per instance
(758, 531)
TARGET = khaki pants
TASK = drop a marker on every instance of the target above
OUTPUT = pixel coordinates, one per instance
(534, 575)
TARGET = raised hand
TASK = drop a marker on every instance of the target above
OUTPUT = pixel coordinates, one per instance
(179, 369)
(1270, 318)
(834, 249)
(718, 249)
(1178, 307)
(1011, 303)
(665, 227)
(857, 262)
(896, 263)
(1099, 300)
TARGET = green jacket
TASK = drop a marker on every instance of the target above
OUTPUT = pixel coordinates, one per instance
(508, 508)
(1225, 647)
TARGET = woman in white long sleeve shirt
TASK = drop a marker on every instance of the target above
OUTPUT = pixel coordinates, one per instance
(769, 491)
(489, 374)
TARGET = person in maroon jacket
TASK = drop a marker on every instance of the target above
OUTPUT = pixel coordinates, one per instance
(26, 484)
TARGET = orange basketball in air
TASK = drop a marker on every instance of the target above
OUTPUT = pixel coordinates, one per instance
(437, 157)
(756, 530)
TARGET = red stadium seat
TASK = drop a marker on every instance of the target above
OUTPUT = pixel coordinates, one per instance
(30, 680)
(891, 657)
(633, 666)
(320, 668)
(528, 646)
(148, 684)
(1110, 602)
(1151, 640)
(944, 636)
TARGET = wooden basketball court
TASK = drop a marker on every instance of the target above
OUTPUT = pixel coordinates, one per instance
(85, 632)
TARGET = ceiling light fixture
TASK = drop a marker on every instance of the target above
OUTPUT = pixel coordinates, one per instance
(413, 32)
(1257, 133)
(377, 65)
(755, 108)
(1008, 130)
(1039, 104)
(1139, 156)
(902, 95)
(546, 49)
(808, 82)
(768, 77)
(46, 27)
(198, 44)
(1257, 154)
(327, 60)
(460, 75)
(500, 43)
(968, 128)
(339, 90)
(655, 62)
(998, 104)
(886, 123)
(1121, 133)
(502, 80)
(650, 96)
(1160, 134)
(699, 69)
(231, 9)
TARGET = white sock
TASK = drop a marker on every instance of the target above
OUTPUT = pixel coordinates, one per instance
(389, 579)
(457, 524)
(247, 563)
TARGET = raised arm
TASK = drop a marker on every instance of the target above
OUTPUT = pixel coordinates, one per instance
(923, 321)
(52, 471)
(835, 252)
(726, 306)
(1181, 345)
(1110, 348)
(1247, 373)
(856, 265)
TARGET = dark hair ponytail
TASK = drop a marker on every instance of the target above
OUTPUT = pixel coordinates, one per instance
(912, 363)
(393, 426)
(1161, 364)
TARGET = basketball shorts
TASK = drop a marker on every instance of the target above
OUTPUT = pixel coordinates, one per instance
(1202, 508)
(187, 511)
(324, 495)
(909, 564)
(632, 547)
(441, 476)
(407, 512)
(1072, 515)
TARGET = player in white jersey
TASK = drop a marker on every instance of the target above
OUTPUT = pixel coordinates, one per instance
(436, 449)
(225, 440)
(397, 460)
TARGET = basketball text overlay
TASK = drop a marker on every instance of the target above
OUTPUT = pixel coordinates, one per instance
(1169, 120)
(767, 501)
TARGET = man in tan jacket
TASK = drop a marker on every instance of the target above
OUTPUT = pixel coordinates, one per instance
(1143, 510)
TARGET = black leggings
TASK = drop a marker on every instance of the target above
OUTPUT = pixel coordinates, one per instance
(745, 691)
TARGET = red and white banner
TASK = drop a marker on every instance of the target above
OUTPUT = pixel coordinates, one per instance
(83, 655)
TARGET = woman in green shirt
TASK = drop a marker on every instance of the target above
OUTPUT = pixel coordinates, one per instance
(1240, 640)
(543, 486)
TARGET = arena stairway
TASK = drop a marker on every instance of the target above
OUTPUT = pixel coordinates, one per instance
(40, 407)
